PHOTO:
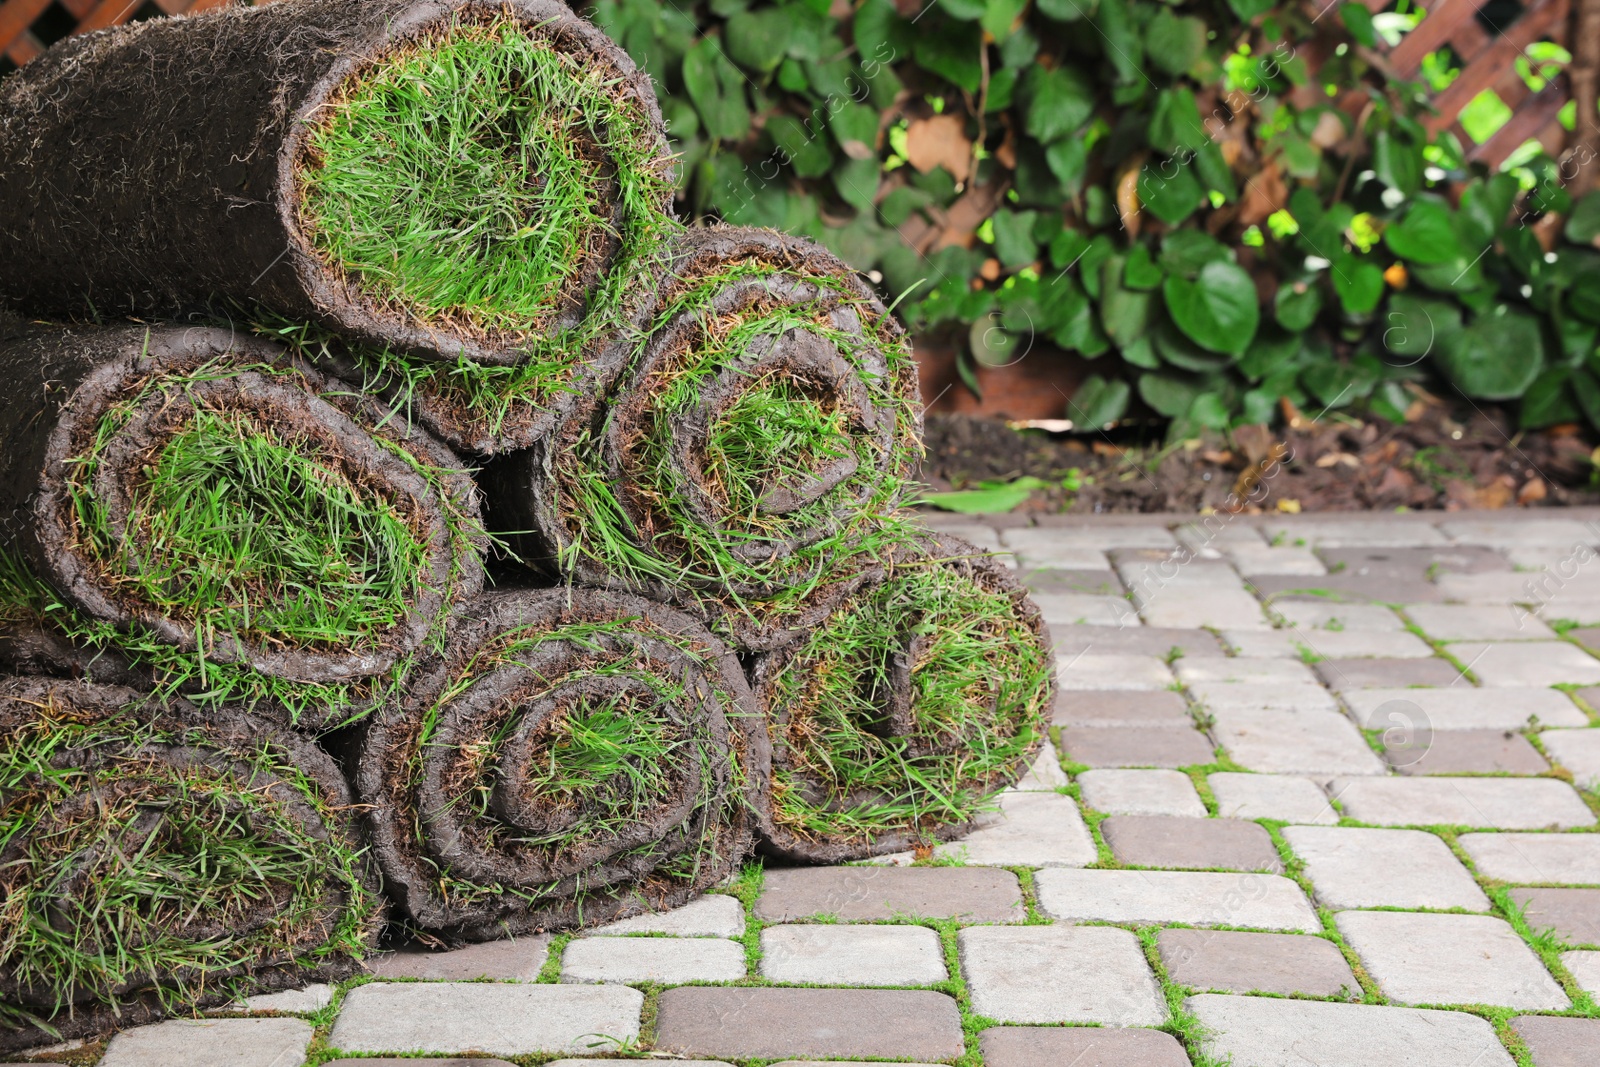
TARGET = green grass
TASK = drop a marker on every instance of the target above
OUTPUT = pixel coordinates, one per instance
(774, 436)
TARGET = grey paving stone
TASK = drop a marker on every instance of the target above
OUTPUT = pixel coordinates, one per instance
(1264, 1032)
(1079, 1046)
(1233, 961)
(817, 1063)
(585, 1062)
(519, 960)
(502, 1020)
(1069, 610)
(1574, 914)
(1122, 708)
(1356, 867)
(1045, 772)
(1264, 671)
(1461, 707)
(1509, 532)
(1149, 574)
(1462, 752)
(1339, 618)
(1191, 606)
(1536, 859)
(1584, 966)
(1578, 751)
(1135, 640)
(1501, 803)
(1476, 622)
(1060, 974)
(742, 1023)
(1186, 843)
(453, 1061)
(1120, 792)
(853, 894)
(1136, 746)
(1528, 663)
(1418, 562)
(1093, 671)
(210, 1043)
(852, 955)
(1029, 830)
(1346, 645)
(1262, 901)
(1588, 637)
(1354, 587)
(652, 959)
(303, 1001)
(1557, 1042)
(1263, 644)
(1100, 582)
(1216, 532)
(1227, 696)
(1293, 742)
(713, 915)
(1388, 673)
(1271, 796)
(1264, 559)
(1044, 548)
(1418, 958)
(1499, 587)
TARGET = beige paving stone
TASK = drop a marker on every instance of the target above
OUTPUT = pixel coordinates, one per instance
(502, 1019)
(1476, 622)
(1045, 772)
(515, 959)
(1536, 859)
(1232, 961)
(1135, 639)
(852, 955)
(713, 915)
(1083, 609)
(210, 1042)
(1091, 671)
(1031, 829)
(1060, 974)
(1046, 543)
(1294, 742)
(1221, 609)
(1197, 898)
(1354, 867)
(1271, 796)
(1461, 707)
(1338, 618)
(1122, 708)
(652, 959)
(1123, 792)
(1262, 644)
(1263, 559)
(1584, 966)
(1509, 533)
(1501, 803)
(857, 894)
(1364, 644)
(1149, 574)
(1269, 1032)
(812, 1024)
(1528, 663)
(1054, 580)
(1418, 958)
(1228, 696)
(303, 1001)
(1240, 670)
(1358, 533)
(1136, 746)
(1578, 751)
(1499, 587)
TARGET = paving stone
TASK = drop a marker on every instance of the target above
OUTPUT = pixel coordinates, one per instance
(1339, 618)
(713, 915)
(1415, 561)
(1585, 612)
(853, 955)
(501, 1020)
(1574, 914)
(1504, 533)
(1135, 639)
(1221, 609)
(1418, 958)
(1198, 898)
(1045, 772)
(1578, 751)
(1343, 587)
(1083, 609)
(1220, 696)
(1549, 859)
(653, 959)
(1293, 742)
(744, 1023)
(1217, 532)
(1045, 543)
(1079, 1046)
(465, 1061)
(1267, 1032)
(1114, 707)
(1090, 670)
(1241, 671)
(982, 534)
(1584, 966)
(586, 1062)
(1502, 803)
(1233, 961)
(1103, 582)
(1119, 792)
(1351, 674)
(1060, 974)
(1462, 752)
(1063, 558)
(520, 959)
(1136, 746)
(1029, 830)
(1557, 1042)
(1270, 796)
(1476, 622)
(809, 1063)
(1344, 645)
(1499, 587)
(858, 894)
(1356, 867)
(1528, 663)
(1148, 575)
(304, 1001)
(1263, 644)
(210, 1043)
(1587, 636)
(1185, 843)
(1378, 531)
(1264, 559)
(1461, 707)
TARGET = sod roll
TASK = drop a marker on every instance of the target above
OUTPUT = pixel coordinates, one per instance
(895, 719)
(224, 518)
(155, 859)
(574, 756)
(765, 422)
(451, 180)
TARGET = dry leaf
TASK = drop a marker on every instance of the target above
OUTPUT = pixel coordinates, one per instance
(1263, 194)
(1532, 492)
(1289, 506)
(939, 141)
(1329, 131)
(1128, 195)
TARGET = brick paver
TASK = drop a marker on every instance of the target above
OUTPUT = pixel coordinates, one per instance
(1462, 752)
(653, 959)
(1179, 842)
(1262, 901)
(1461, 707)
(1119, 792)
(1574, 914)
(713, 915)
(1136, 640)
(517, 960)
(1419, 958)
(1094, 670)
(1029, 1046)
(1122, 708)
(1270, 796)
(1255, 1030)
(1294, 742)
(1476, 622)
(1135, 746)
(203, 1043)
(500, 1019)
(1528, 663)
(1505, 803)
(1536, 859)
(852, 955)
(1029, 830)
(1060, 974)
(815, 1023)
(1559, 1042)
(866, 893)
(1348, 674)
(1353, 867)
(1233, 961)
(1578, 751)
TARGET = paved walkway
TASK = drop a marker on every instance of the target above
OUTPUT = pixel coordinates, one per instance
(1324, 792)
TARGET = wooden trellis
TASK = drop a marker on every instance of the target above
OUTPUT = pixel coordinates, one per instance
(27, 27)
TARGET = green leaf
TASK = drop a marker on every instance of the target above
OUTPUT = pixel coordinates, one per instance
(1141, 272)
(1249, 9)
(1181, 352)
(1398, 162)
(965, 10)
(1218, 310)
(1167, 394)
(809, 156)
(1170, 191)
(1142, 353)
(993, 498)
(1272, 350)
(1583, 299)
(897, 207)
(1583, 225)
(1485, 205)
(881, 35)
(1358, 20)
(717, 89)
(1056, 102)
(1122, 47)
(998, 16)
(1358, 283)
(1175, 125)
(1002, 91)
(993, 345)
(1068, 158)
(1210, 411)
(1125, 313)
(1548, 400)
(1426, 235)
(1587, 390)
(1186, 252)
(1297, 305)
(1173, 43)
(1213, 171)
(1067, 10)
(857, 183)
(952, 53)
(758, 40)
(1013, 238)
(1091, 264)
(1097, 403)
(1496, 357)
(1414, 325)
(855, 126)
(1019, 50)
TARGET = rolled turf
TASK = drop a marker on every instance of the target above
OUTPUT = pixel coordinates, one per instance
(766, 421)
(573, 757)
(156, 859)
(224, 519)
(470, 182)
(895, 719)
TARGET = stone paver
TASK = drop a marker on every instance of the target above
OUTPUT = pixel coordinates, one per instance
(1499, 587)
(1082, 609)
(1418, 958)
(1091, 670)
(1462, 752)
(852, 955)
(1264, 559)
(1136, 746)
(1460, 707)
(1246, 671)
(1476, 622)
(1045, 772)
(1502, 803)
(1261, 1032)
(520, 959)
(1270, 796)
(1350, 674)
(1363, 644)
(653, 959)
(1051, 580)
(1030, 830)
(1045, 541)
(302, 1001)
(458, 1061)
(1584, 966)
(1060, 974)
(1119, 792)
(1264, 696)
(210, 1043)
(1505, 533)
(740, 1023)
(1188, 843)
(1262, 901)
(1030, 1046)
(1528, 663)
(855, 894)
(1121, 708)
(1135, 640)
(713, 915)
(1355, 867)
(1532, 859)
(1339, 618)
(1294, 742)
(1574, 914)
(1346, 587)
(1380, 532)
(1233, 961)
(500, 1019)
(1559, 1042)
(1578, 751)
(1191, 606)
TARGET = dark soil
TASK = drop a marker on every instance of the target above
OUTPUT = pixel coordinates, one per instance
(1441, 457)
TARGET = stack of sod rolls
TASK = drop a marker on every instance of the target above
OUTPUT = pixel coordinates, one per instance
(453, 540)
